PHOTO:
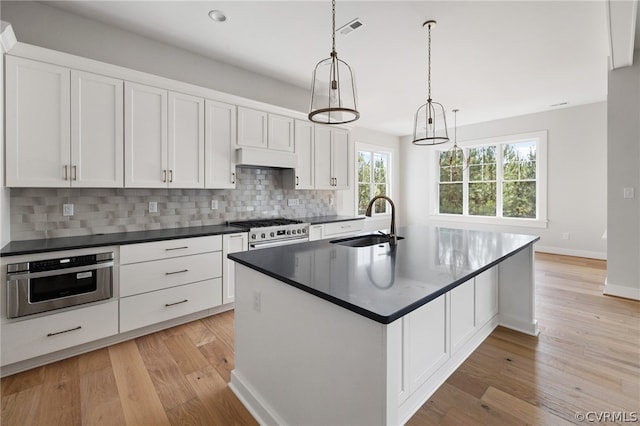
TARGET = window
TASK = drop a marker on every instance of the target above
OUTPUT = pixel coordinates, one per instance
(505, 178)
(373, 179)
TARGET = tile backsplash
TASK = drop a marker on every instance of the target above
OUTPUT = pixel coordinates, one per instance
(37, 212)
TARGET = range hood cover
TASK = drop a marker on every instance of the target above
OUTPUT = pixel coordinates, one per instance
(265, 158)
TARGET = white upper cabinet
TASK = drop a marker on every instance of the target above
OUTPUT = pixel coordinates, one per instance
(252, 128)
(145, 138)
(38, 107)
(259, 129)
(96, 131)
(164, 138)
(64, 127)
(281, 135)
(302, 176)
(186, 141)
(220, 140)
(331, 151)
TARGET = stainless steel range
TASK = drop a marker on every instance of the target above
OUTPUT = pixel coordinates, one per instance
(265, 233)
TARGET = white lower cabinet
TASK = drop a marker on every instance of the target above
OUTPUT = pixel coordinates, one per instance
(168, 279)
(231, 243)
(334, 230)
(50, 333)
(162, 305)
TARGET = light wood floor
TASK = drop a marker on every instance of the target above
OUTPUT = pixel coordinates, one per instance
(586, 359)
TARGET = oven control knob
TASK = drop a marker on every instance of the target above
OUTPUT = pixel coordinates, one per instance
(262, 235)
(273, 234)
(299, 231)
(289, 232)
(304, 230)
(253, 236)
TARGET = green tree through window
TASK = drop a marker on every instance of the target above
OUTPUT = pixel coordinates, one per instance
(373, 179)
(501, 181)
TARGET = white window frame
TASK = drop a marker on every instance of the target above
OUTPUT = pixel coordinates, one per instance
(359, 146)
(541, 183)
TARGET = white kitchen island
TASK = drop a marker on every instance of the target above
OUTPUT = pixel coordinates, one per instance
(327, 334)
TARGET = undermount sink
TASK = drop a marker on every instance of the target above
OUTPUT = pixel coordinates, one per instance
(364, 240)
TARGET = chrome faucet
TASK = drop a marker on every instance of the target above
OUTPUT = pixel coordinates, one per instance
(392, 235)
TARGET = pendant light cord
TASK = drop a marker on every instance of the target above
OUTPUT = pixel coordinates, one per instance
(429, 66)
(333, 12)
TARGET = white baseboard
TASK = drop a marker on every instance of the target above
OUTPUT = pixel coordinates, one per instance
(621, 291)
(571, 252)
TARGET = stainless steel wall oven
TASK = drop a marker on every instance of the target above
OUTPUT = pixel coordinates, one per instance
(44, 285)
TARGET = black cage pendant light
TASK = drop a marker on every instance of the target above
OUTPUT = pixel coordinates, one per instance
(430, 127)
(333, 88)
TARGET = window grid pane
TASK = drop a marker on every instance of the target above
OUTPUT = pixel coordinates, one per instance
(373, 179)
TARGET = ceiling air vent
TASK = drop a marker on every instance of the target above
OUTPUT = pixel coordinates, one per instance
(350, 27)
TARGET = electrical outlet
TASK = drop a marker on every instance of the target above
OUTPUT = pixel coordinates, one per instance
(153, 207)
(628, 193)
(257, 301)
(67, 210)
(565, 236)
(293, 202)
(214, 204)
(331, 201)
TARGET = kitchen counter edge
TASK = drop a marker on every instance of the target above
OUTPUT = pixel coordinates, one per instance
(15, 248)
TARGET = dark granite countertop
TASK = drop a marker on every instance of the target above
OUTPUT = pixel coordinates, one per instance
(317, 220)
(381, 282)
(120, 238)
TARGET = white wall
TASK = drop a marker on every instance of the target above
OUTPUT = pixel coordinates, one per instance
(623, 156)
(346, 198)
(45, 26)
(577, 189)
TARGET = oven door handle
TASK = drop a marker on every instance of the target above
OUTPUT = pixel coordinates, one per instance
(54, 272)
(278, 243)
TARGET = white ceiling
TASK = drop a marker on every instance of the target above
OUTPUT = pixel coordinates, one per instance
(490, 59)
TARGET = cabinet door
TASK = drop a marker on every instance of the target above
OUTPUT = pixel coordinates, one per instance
(280, 133)
(231, 243)
(145, 138)
(340, 158)
(96, 131)
(303, 135)
(322, 158)
(37, 124)
(186, 141)
(252, 128)
(220, 140)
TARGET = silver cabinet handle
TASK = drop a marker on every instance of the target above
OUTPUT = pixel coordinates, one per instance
(170, 175)
(176, 248)
(176, 303)
(236, 236)
(176, 272)
(164, 175)
(297, 180)
(233, 178)
(66, 176)
(64, 331)
(75, 173)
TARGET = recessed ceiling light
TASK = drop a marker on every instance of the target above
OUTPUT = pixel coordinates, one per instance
(217, 15)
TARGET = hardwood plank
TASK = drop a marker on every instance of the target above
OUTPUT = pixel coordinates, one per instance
(169, 382)
(192, 412)
(185, 354)
(99, 398)
(214, 393)
(140, 404)
(521, 409)
(60, 403)
(21, 381)
(94, 361)
(21, 408)
(220, 356)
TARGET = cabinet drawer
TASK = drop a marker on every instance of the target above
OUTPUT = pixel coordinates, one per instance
(150, 308)
(169, 248)
(38, 336)
(149, 276)
(338, 228)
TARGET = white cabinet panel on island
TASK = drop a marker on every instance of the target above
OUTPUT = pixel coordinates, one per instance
(231, 243)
